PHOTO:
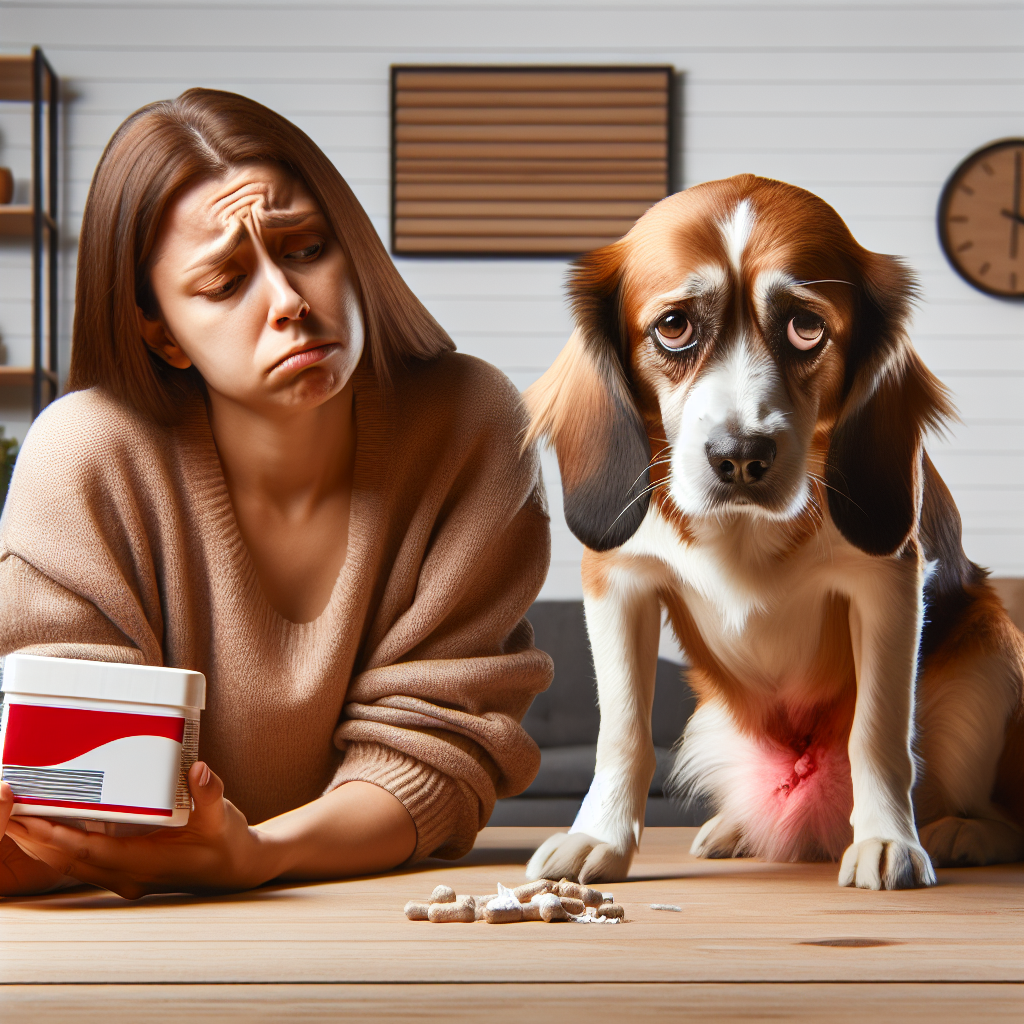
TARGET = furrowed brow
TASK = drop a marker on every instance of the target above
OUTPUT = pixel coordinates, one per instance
(774, 286)
(220, 254)
(703, 283)
(286, 220)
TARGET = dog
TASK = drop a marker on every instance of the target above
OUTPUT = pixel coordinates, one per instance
(739, 419)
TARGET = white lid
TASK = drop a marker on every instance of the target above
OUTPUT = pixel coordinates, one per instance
(102, 680)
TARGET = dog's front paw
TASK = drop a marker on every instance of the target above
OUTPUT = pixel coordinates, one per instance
(886, 864)
(580, 857)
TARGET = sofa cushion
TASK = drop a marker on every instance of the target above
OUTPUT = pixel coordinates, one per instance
(559, 812)
(566, 714)
(564, 721)
(568, 771)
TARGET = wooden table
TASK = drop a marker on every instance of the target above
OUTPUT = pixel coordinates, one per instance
(753, 941)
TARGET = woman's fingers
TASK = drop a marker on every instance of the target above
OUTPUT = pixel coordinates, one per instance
(207, 798)
(215, 851)
(122, 865)
(53, 864)
(6, 806)
(21, 874)
(69, 850)
(56, 845)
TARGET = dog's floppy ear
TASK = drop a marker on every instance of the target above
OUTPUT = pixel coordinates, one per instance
(584, 405)
(873, 469)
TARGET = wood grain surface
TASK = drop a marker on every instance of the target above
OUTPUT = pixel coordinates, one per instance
(741, 921)
(595, 1002)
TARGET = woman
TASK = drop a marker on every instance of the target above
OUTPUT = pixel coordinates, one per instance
(272, 468)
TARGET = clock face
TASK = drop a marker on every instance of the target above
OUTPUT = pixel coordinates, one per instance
(981, 219)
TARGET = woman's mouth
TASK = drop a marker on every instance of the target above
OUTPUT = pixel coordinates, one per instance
(307, 356)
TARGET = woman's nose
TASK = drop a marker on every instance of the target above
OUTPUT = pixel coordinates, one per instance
(286, 318)
(286, 304)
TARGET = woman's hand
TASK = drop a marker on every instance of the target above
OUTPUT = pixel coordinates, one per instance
(20, 874)
(357, 828)
(216, 851)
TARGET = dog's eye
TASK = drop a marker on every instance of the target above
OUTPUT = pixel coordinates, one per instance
(805, 330)
(674, 330)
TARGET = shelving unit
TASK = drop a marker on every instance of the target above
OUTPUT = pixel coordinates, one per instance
(31, 79)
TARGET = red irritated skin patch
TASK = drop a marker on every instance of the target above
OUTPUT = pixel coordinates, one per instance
(739, 420)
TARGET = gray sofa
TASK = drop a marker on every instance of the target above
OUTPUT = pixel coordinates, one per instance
(564, 722)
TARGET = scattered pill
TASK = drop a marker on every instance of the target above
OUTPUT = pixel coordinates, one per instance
(573, 906)
(443, 894)
(542, 900)
(503, 915)
(551, 908)
(416, 911)
(570, 889)
(531, 912)
(525, 893)
(463, 911)
(666, 906)
(481, 905)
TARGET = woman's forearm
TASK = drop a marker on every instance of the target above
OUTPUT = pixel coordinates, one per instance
(356, 829)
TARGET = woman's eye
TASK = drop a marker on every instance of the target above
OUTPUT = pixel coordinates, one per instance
(674, 331)
(805, 330)
(222, 291)
(305, 254)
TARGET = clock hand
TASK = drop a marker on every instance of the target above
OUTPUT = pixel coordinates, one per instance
(1013, 216)
(1017, 219)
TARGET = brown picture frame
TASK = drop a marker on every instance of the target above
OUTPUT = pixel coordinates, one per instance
(527, 160)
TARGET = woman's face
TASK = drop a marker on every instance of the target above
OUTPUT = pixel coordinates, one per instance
(253, 289)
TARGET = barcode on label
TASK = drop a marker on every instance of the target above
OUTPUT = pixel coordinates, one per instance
(79, 786)
(189, 756)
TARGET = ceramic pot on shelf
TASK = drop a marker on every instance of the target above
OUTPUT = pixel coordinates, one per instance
(6, 185)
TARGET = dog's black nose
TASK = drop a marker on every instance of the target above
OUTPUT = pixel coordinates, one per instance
(741, 458)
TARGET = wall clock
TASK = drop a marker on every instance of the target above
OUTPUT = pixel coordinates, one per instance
(981, 219)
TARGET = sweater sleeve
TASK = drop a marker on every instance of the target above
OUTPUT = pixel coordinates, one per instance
(77, 578)
(450, 667)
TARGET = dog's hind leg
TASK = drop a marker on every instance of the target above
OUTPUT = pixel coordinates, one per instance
(967, 842)
(718, 837)
(963, 709)
(623, 621)
(706, 765)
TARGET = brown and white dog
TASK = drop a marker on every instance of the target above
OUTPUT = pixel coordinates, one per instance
(738, 419)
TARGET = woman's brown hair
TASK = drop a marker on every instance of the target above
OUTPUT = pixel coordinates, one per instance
(156, 153)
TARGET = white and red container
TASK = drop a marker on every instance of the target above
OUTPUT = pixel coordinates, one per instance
(98, 740)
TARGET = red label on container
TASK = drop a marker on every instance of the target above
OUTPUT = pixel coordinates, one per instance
(39, 735)
(156, 812)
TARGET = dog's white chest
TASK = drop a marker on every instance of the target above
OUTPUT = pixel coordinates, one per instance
(771, 643)
(762, 625)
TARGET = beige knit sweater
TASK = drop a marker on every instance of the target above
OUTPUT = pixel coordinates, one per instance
(119, 543)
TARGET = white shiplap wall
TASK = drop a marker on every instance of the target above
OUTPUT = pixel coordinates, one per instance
(870, 105)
